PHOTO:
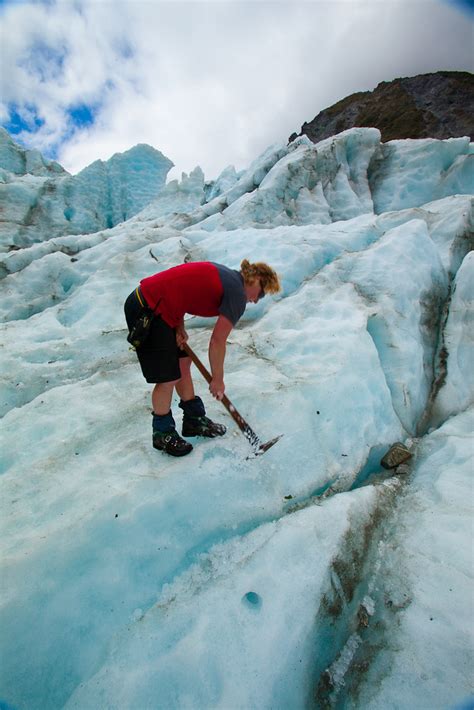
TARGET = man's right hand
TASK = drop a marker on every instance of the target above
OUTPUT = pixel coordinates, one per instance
(217, 388)
(181, 336)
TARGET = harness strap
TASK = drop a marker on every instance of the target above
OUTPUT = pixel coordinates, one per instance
(142, 302)
(137, 292)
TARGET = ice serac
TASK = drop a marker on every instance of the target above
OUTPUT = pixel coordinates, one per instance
(342, 177)
(246, 183)
(403, 283)
(456, 386)
(177, 197)
(306, 577)
(412, 172)
(18, 161)
(224, 182)
(311, 184)
(124, 184)
(40, 201)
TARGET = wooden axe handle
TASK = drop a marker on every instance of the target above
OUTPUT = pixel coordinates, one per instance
(238, 418)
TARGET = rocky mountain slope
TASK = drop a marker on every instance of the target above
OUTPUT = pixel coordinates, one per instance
(437, 105)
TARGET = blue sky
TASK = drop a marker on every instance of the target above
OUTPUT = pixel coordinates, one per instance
(207, 83)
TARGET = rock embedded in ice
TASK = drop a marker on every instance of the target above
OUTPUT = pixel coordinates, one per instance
(396, 455)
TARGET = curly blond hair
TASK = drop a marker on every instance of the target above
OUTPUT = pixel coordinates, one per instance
(267, 276)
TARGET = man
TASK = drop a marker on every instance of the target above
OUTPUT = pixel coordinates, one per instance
(201, 289)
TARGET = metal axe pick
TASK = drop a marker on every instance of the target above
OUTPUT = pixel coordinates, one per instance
(257, 445)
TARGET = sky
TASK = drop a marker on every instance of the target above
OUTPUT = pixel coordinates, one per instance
(206, 83)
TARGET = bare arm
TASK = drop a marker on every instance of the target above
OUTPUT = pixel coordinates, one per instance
(217, 347)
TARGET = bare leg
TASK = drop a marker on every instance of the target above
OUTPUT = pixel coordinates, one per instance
(161, 397)
(163, 392)
(184, 386)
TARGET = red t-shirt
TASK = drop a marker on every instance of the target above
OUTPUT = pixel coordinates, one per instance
(194, 288)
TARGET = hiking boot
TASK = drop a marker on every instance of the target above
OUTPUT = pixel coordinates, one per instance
(202, 426)
(171, 443)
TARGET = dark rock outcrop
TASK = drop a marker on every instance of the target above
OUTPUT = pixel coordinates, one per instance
(438, 105)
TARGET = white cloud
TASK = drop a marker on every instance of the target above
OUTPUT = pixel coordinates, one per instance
(211, 83)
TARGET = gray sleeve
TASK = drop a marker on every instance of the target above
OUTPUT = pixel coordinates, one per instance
(234, 299)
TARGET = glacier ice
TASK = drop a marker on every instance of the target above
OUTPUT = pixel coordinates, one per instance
(207, 611)
(38, 197)
(15, 159)
(308, 576)
(227, 179)
(431, 649)
(309, 184)
(456, 391)
(409, 173)
(177, 197)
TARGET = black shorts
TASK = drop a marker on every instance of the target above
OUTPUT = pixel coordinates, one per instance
(159, 355)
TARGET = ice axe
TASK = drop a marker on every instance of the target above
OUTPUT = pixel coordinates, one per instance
(258, 447)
